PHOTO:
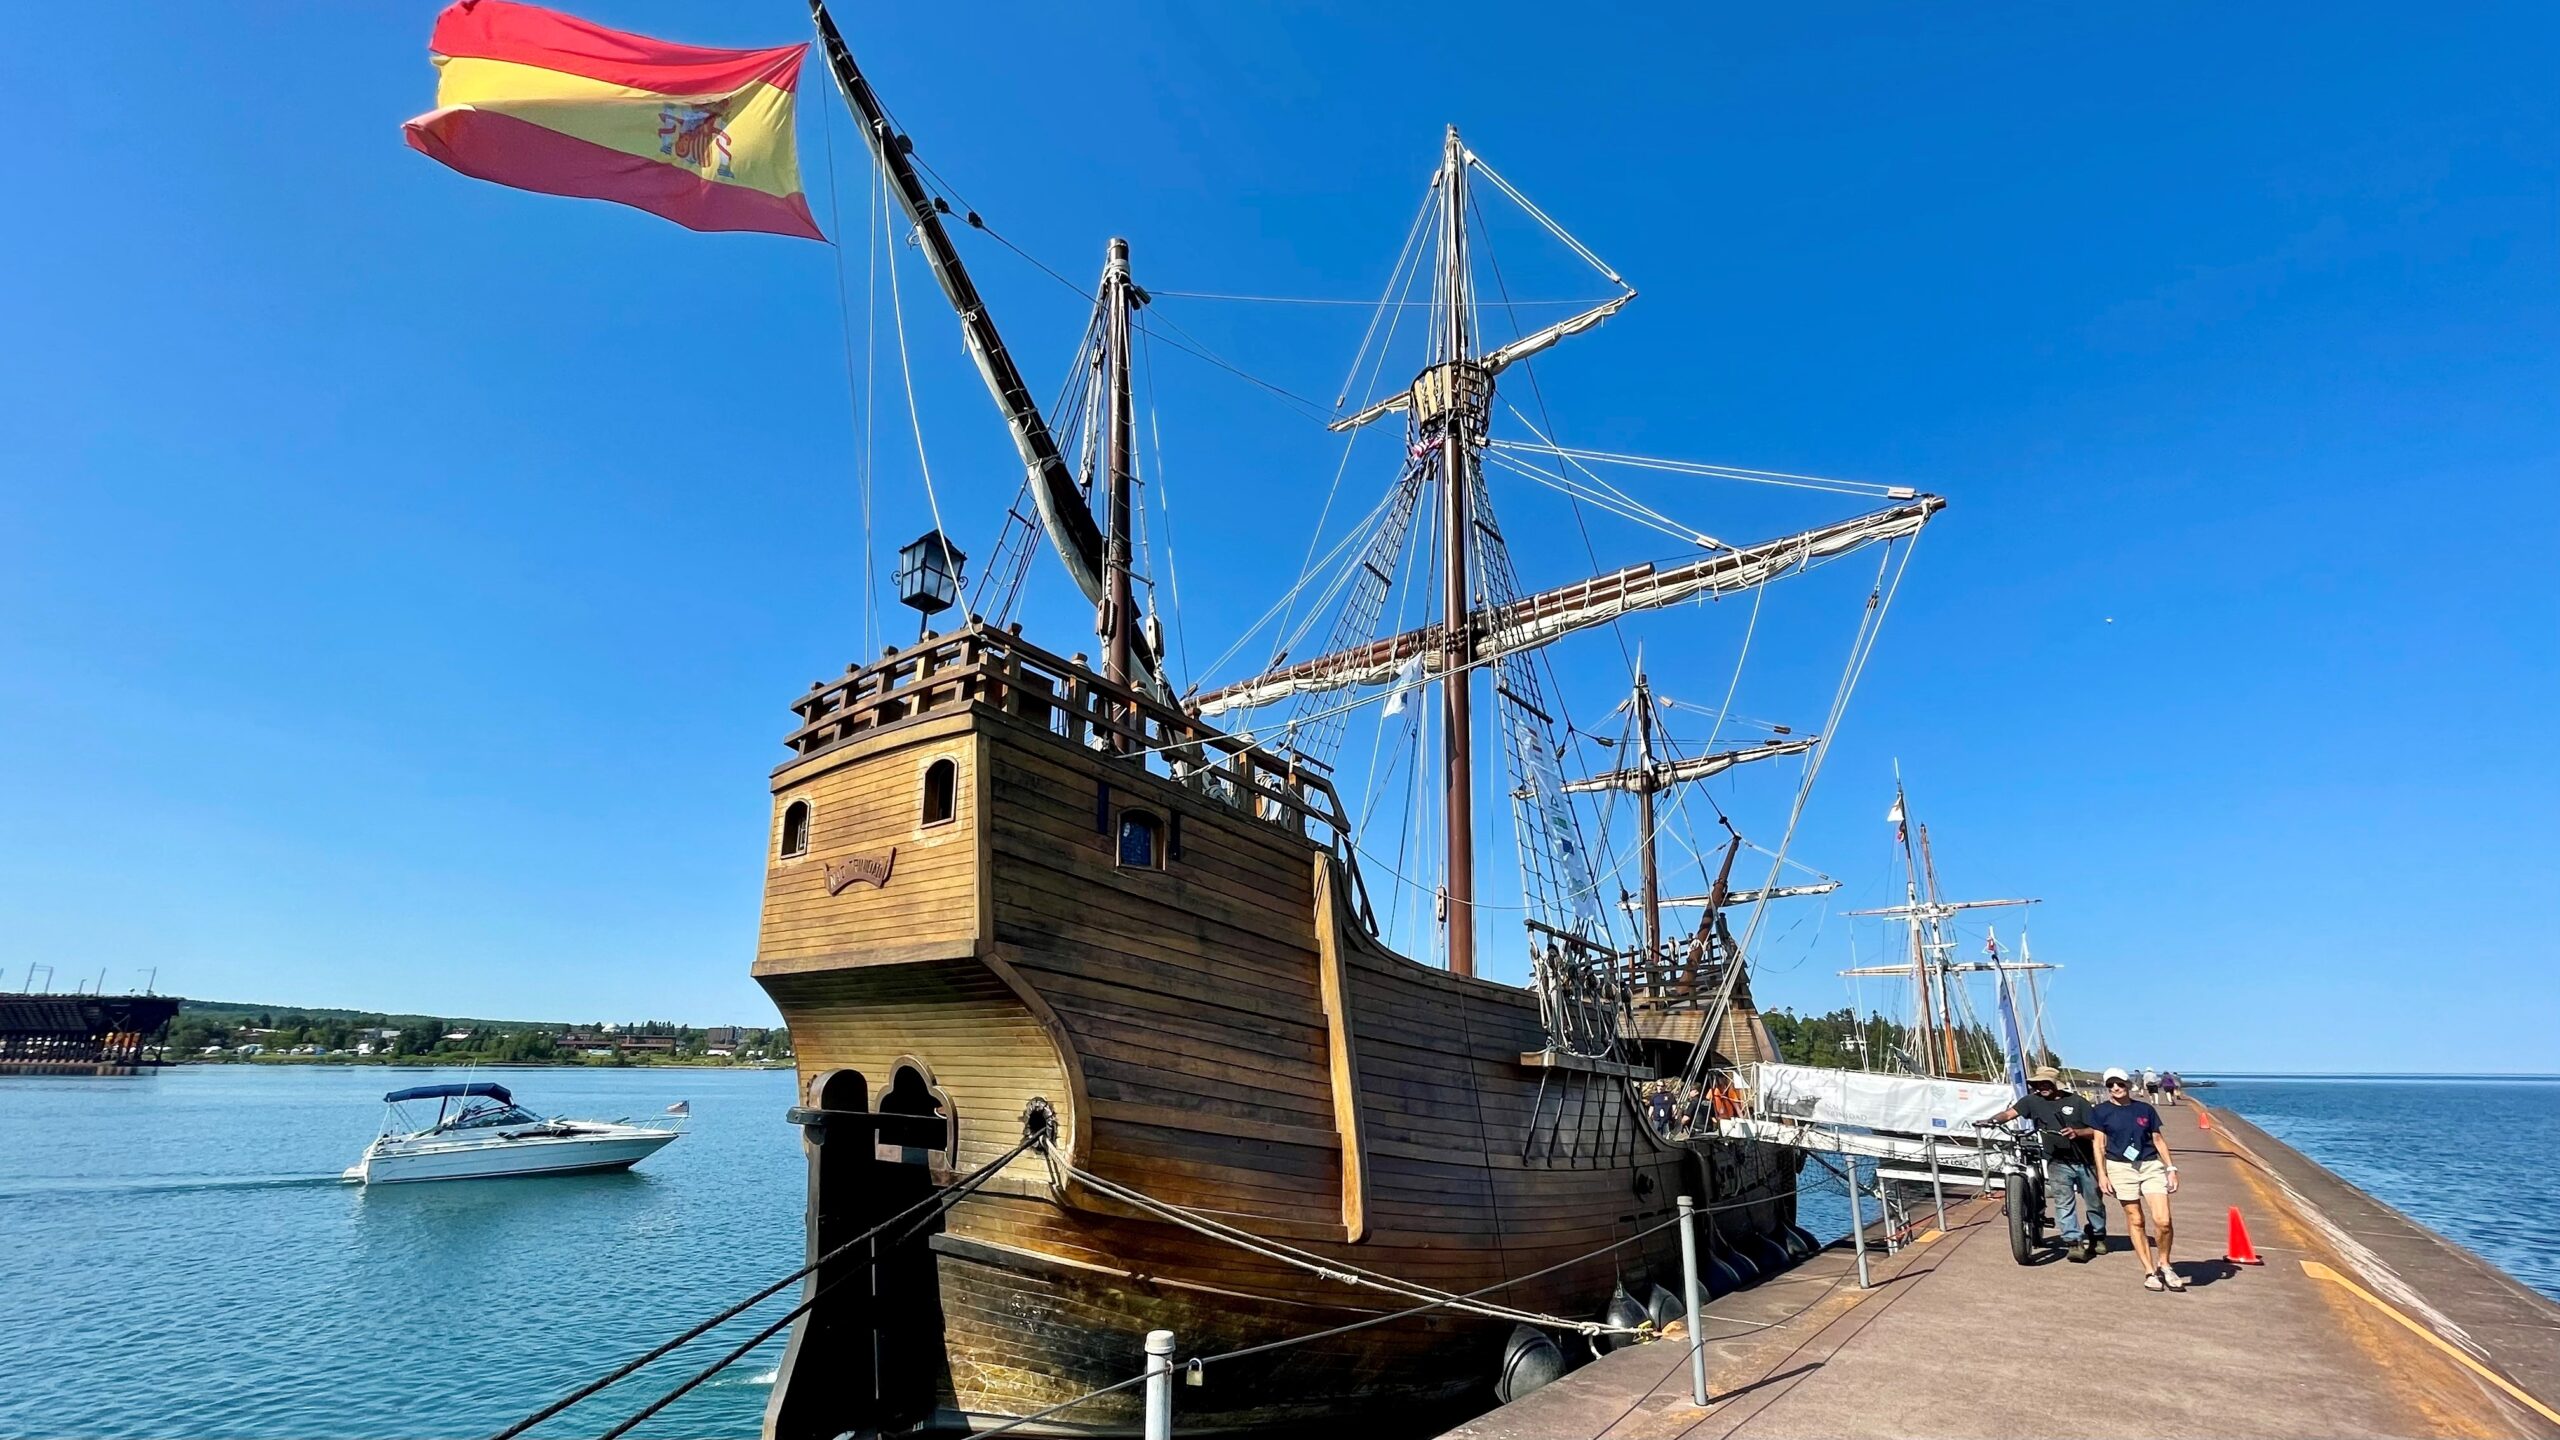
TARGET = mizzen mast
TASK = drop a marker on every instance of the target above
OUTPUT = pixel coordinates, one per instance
(1651, 777)
(1064, 515)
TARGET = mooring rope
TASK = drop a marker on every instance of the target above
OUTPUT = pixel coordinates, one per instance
(941, 1200)
(1445, 1302)
(943, 1197)
(1343, 1272)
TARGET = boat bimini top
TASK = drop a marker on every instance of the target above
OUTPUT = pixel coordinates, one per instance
(494, 1091)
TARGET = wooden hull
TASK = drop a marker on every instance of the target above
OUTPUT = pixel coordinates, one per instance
(1214, 1032)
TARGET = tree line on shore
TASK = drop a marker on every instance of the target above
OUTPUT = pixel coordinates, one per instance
(1843, 1040)
(217, 1034)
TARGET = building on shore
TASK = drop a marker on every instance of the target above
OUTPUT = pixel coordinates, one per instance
(83, 1034)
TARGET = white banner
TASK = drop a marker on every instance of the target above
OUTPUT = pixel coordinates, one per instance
(1906, 1104)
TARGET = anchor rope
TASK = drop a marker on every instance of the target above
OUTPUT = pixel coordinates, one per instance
(944, 1198)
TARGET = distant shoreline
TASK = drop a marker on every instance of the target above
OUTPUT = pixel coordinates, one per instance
(463, 1062)
(2474, 1075)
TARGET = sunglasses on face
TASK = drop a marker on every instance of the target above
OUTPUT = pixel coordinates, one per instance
(2119, 1084)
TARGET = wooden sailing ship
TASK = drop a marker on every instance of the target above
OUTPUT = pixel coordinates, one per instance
(1012, 893)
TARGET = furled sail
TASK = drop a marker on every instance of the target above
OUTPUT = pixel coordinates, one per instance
(1754, 897)
(1663, 774)
(1495, 362)
(1549, 615)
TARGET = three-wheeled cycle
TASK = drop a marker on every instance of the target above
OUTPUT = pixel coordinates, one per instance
(2018, 1159)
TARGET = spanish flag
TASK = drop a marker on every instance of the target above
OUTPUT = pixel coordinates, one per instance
(544, 101)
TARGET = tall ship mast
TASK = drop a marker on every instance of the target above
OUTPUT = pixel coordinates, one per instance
(1089, 977)
(1942, 1015)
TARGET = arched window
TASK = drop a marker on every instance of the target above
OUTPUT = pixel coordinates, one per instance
(1141, 840)
(795, 829)
(941, 782)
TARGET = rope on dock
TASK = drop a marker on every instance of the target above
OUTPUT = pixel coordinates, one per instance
(942, 1198)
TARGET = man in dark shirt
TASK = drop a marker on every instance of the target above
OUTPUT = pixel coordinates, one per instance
(2141, 1173)
(2062, 1123)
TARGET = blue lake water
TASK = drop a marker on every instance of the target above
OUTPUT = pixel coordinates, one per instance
(181, 1259)
(2442, 1149)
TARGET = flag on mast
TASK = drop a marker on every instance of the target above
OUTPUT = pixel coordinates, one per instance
(543, 101)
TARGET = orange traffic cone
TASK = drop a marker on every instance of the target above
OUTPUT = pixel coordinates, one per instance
(2240, 1252)
(2204, 1118)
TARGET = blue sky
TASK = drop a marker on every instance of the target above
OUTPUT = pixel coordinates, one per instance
(402, 578)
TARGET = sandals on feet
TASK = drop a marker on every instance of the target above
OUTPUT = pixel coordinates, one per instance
(2152, 1281)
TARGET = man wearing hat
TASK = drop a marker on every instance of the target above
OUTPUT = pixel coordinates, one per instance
(2062, 1122)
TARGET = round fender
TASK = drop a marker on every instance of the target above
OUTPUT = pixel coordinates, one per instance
(1665, 1307)
(1773, 1257)
(1746, 1271)
(1622, 1311)
(1530, 1359)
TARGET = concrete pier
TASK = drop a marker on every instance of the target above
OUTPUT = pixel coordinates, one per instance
(2361, 1322)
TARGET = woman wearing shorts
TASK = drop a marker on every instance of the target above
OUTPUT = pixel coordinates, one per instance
(2141, 1173)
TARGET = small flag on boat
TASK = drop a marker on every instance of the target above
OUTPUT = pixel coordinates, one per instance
(544, 101)
(681, 1107)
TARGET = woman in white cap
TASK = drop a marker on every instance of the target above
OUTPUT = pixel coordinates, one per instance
(2141, 1173)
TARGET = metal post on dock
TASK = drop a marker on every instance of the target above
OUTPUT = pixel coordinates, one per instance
(1159, 1385)
(1937, 1189)
(1884, 1212)
(1689, 1293)
(1857, 1220)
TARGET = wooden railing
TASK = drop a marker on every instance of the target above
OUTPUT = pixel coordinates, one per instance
(979, 665)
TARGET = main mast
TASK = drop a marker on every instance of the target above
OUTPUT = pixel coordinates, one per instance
(1457, 605)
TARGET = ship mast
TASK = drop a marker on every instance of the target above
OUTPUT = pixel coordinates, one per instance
(1941, 950)
(1064, 514)
(1652, 884)
(1919, 952)
(1650, 777)
(1932, 965)
(1457, 606)
(1116, 614)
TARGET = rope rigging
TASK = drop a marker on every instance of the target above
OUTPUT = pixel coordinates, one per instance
(941, 1199)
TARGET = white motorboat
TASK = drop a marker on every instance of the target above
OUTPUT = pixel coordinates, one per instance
(481, 1133)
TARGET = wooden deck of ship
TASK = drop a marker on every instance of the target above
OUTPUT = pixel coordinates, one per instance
(2361, 1322)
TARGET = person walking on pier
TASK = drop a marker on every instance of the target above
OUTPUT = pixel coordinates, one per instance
(2169, 1085)
(2142, 1173)
(2062, 1121)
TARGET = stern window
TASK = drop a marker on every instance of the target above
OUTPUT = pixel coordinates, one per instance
(941, 781)
(795, 829)
(1141, 840)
